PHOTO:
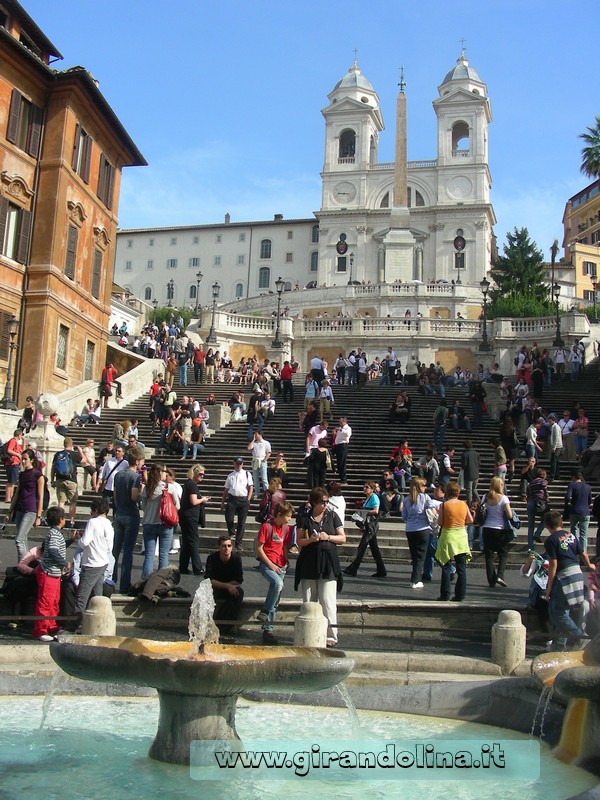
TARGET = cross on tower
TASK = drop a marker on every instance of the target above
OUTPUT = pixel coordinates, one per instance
(462, 44)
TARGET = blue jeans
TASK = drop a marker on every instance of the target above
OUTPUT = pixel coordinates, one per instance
(566, 620)
(259, 477)
(183, 374)
(438, 436)
(275, 580)
(579, 527)
(196, 447)
(531, 529)
(581, 443)
(165, 540)
(126, 531)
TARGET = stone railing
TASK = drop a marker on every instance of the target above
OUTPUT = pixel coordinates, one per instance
(377, 326)
(411, 165)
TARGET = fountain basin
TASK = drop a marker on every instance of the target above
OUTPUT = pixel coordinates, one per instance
(198, 691)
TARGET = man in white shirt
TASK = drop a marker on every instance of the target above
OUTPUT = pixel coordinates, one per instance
(575, 360)
(112, 466)
(316, 368)
(315, 434)
(560, 357)
(237, 494)
(97, 544)
(267, 406)
(392, 363)
(342, 438)
(261, 450)
(556, 447)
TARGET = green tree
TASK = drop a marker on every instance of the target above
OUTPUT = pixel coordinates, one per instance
(164, 314)
(520, 277)
(590, 155)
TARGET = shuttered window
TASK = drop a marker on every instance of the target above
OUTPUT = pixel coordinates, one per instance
(97, 274)
(88, 370)
(62, 346)
(71, 252)
(106, 181)
(15, 231)
(82, 153)
(24, 124)
(4, 335)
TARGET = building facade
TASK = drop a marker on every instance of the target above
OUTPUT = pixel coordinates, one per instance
(402, 221)
(581, 241)
(62, 150)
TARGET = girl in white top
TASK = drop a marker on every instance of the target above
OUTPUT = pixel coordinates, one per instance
(496, 538)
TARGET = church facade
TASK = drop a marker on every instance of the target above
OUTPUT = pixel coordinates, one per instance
(399, 222)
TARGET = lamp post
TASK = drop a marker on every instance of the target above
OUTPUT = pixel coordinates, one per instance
(351, 257)
(558, 342)
(7, 401)
(484, 347)
(170, 292)
(211, 338)
(199, 277)
(155, 306)
(279, 284)
(595, 287)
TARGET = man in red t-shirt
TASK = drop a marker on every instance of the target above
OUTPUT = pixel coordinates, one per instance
(14, 448)
(198, 362)
(109, 376)
(287, 375)
(274, 541)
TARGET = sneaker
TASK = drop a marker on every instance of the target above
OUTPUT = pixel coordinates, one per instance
(501, 582)
(173, 551)
(418, 585)
(262, 616)
(331, 643)
(45, 638)
(269, 638)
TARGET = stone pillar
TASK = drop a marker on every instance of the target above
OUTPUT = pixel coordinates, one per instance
(508, 641)
(310, 627)
(99, 619)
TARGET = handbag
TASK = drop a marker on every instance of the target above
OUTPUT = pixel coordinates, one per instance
(168, 512)
(541, 506)
(512, 524)
(480, 515)
(328, 460)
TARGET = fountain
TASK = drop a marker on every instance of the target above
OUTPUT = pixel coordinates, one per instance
(198, 682)
(576, 676)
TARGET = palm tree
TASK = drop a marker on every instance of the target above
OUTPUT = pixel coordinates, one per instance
(590, 164)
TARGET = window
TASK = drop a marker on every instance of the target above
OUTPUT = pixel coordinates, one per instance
(314, 234)
(96, 274)
(62, 346)
(219, 238)
(71, 255)
(241, 259)
(264, 277)
(24, 124)
(82, 153)
(128, 266)
(242, 237)
(150, 264)
(460, 139)
(314, 261)
(589, 268)
(173, 240)
(129, 242)
(290, 234)
(385, 202)
(5, 316)
(171, 263)
(265, 248)
(588, 295)
(239, 290)
(148, 293)
(194, 262)
(15, 228)
(88, 369)
(289, 258)
(192, 292)
(196, 240)
(150, 242)
(217, 261)
(347, 144)
(106, 181)
(341, 264)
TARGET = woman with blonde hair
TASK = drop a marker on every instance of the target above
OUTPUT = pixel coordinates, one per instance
(496, 537)
(191, 516)
(418, 527)
(453, 542)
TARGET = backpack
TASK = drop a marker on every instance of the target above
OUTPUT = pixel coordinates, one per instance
(63, 464)
(264, 512)
(4, 457)
(440, 416)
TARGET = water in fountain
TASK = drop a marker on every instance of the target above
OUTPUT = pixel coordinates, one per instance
(57, 679)
(541, 709)
(201, 627)
(342, 689)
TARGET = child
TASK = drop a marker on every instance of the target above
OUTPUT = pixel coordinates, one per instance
(48, 574)
(273, 543)
(97, 544)
(536, 568)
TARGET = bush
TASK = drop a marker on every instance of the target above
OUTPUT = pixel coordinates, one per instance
(519, 306)
(164, 314)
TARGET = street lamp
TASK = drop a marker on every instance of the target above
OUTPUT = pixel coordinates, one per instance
(595, 287)
(7, 401)
(199, 277)
(211, 338)
(279, 284)
(155, 306)
(351, 257)
(170, 292)
(484, 347)
(558, 342)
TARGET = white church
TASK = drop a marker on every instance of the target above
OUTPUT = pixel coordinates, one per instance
(425, 223)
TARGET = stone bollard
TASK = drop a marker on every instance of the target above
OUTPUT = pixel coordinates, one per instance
(508, 641)
(99, 619)
(310, 626)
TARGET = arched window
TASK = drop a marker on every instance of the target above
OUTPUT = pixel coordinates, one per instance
(315, 234)
(239, 290)
(314, 261)
(264, 278)
(192, 292)
(148, 293)
(419, 198)
(287, 286)
(265, 248)
(460, 139)
(385, 203)
(347, 144)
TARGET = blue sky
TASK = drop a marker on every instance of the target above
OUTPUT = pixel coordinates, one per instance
(224, 98)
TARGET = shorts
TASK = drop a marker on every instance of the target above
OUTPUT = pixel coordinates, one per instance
(12, 473)
(66, 492)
